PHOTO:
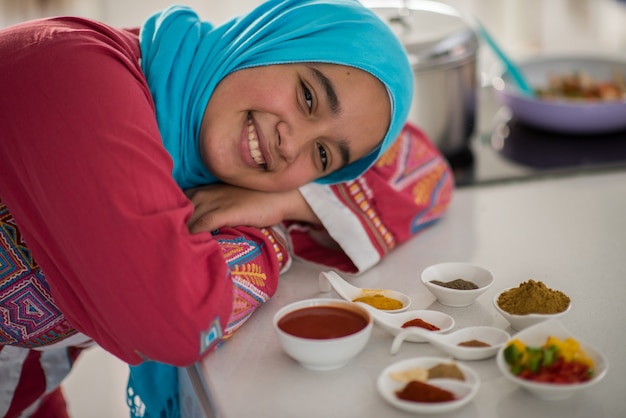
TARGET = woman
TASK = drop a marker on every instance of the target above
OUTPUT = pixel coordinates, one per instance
(102, 128)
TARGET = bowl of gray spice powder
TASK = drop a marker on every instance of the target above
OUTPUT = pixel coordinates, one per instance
(457, 284)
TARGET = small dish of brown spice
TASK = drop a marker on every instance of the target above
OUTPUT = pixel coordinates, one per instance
(530, 303)
(457, 284)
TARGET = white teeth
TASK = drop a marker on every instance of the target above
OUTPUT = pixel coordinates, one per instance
(253, 144)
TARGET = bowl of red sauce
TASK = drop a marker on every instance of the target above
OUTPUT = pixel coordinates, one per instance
(323, 334)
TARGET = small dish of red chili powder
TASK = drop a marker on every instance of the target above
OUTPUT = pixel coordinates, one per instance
(429, 394)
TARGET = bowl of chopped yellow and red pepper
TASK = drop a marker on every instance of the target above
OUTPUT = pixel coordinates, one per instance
(549, 362)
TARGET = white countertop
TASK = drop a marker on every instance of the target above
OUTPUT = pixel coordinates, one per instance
(568, 232)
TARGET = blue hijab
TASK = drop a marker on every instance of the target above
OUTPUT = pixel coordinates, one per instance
(184, 58)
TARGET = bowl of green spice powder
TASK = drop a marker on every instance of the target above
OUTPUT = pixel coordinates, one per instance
(530, 303)
(457, 284)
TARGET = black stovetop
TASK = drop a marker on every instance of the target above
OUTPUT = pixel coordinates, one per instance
(509, 150)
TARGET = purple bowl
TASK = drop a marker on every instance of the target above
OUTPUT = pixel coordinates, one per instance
(564, 116)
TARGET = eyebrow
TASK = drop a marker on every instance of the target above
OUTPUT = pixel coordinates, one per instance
(329, 89)
(335, 109)
(344, 150)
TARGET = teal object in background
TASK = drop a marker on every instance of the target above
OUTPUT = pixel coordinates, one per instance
(515, 73)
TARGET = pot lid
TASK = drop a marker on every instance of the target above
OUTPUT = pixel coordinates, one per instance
(433, 34)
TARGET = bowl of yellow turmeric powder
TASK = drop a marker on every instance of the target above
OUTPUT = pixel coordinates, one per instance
(530, 303)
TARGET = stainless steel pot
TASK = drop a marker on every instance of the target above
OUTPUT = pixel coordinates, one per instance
(442, 49)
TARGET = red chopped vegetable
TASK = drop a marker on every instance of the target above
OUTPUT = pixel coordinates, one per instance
(560, 371)
(417, 322)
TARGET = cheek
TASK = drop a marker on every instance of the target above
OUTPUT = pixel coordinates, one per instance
(293, 181)
(296, 176)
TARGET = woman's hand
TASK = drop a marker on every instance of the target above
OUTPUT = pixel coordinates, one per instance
(220, 205)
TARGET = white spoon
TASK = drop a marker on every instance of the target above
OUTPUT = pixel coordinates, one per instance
(449, 343)
(350, 292)
(392, 322)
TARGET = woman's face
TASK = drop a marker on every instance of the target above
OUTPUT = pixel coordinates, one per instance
(278, 127)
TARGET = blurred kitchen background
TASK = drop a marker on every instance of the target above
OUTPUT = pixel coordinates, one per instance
(523, 27)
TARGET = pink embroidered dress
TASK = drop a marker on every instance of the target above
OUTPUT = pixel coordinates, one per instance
(93, 238)
(94, 242)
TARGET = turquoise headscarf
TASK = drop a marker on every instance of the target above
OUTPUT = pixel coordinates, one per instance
(184, 58)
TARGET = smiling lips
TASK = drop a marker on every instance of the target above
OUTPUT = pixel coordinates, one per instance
(253, 144)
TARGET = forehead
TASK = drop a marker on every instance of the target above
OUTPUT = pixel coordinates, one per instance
(353, 84)
(355, 77)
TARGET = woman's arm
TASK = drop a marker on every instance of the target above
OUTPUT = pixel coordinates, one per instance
(86, 177)
(348, 226)
(408, 189)
(220, 205)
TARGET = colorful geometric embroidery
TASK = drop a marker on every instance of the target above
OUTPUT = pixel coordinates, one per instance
(413, 160)
(419, 163)
(438, 188)
(239, 250)
(211, 336)
(354, 195)
(247, 297)
(278, 246)
(28, 315)
(248, 278)
(411, 163)
(15, 258)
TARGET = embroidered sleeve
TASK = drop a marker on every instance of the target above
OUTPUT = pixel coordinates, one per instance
(255, 258)
(408, 189)
(29, 317)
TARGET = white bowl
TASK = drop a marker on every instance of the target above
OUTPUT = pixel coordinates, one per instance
(327, 353)
(536, 336)
(564, 116)
(464, 390)
(446, 272)
(519, 322)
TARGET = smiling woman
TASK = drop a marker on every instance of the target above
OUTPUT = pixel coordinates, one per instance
(277, 127)
(185, 60)
(149, 176)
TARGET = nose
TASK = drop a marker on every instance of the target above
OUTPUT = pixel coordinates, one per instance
(294, 139)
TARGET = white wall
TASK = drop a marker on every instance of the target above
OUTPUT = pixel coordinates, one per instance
(132, 13)
(525, 26)
(121, 13)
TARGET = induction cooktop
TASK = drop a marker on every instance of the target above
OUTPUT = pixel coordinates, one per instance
(510, 150)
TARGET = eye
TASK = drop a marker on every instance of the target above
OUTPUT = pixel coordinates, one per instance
(323, 156)
(308, 97)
